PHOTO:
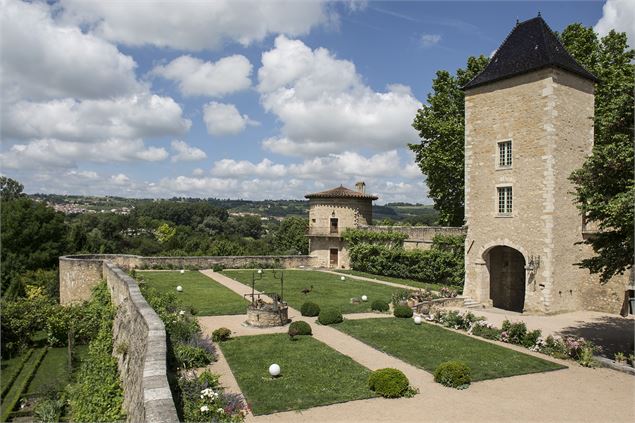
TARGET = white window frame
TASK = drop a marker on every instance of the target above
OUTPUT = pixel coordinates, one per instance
(508, 158)
(508, 200)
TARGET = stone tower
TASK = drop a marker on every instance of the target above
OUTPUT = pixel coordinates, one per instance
(528, 125)
(330, 213)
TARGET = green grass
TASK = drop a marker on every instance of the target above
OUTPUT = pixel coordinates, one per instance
(52, 374)
(312, 373)
(328, 289)
(10, 369)
(409, 282)
(19, 385)
(426, 346)
(208, 297)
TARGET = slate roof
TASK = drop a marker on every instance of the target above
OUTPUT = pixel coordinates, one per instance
(530, 46)
(341, 192)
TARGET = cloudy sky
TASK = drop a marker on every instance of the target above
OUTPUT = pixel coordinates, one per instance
(238, 99)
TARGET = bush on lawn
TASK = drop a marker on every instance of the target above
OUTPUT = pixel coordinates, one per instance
(514, 333)
(330, 316)
(221, 334)
(455, 374)
(299, 328)
(402, 311)
(389, 383)
(310, 309)
(379, 305)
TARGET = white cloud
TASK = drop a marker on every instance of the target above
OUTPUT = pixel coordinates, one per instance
(429, 40)
(225, 119)
(243, 168)
(198, 172)
(120, 179)
(194, 25)
(215, 79)
(95, 120)
(324, 106)
(44, 59)
(620, 16)
(185, 153)
(47, 153)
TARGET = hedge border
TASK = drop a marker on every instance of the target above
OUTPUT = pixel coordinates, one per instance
(26, 357)
(13, 401)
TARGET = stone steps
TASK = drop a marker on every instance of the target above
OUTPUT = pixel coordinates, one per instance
(470, 303)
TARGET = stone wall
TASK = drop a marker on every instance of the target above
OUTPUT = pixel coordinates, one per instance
(139, 338)
(78, 274)
(419, 237)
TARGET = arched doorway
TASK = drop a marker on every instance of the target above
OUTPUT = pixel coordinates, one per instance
(506, 278)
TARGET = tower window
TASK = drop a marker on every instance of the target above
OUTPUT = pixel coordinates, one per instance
(334, 225)
(504, 200)
(505, 154)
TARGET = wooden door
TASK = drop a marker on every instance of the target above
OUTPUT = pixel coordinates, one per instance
(333, 259)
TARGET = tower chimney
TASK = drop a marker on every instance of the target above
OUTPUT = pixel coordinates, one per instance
(360, 187)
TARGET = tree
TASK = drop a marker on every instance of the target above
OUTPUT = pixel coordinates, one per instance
(165, 233)
(290, 237)
(605, 186)
(441, 126)
(10, 188)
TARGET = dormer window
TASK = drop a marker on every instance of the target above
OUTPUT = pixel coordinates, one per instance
(505, 154)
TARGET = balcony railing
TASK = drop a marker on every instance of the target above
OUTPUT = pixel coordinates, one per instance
(324, 231)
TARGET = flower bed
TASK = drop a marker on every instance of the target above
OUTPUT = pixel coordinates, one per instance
(578, 349)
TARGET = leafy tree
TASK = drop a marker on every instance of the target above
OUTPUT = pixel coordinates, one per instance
(165, 233)
(290, 237)
(604, 186)
(10, 188)
(441, 126)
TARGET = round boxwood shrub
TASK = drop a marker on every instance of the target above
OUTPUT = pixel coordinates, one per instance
(310, 309)
(221, 334)
(379, 305)
(455, 374)
(403, 311)
(330, 316)
(299, 328)
(389, 383)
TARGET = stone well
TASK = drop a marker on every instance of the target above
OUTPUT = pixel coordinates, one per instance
(264, 315)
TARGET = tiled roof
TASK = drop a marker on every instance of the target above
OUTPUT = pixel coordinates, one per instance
(341, 192)
(530, 46)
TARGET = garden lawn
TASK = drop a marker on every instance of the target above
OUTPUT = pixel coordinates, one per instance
(426, 346)
(312, 373)
(328, 290)
(409, 282)
(10, 369)
(52, 374)
(206, 296)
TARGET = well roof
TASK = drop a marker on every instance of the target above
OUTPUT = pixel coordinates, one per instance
(530, 46)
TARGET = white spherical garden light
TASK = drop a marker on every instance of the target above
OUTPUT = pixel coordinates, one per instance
(274, 370)
(417, 320)
(182, 271)
(343, 278)
(364, 298)
(179, 288)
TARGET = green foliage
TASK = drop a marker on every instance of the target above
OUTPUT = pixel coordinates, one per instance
(380, 305)
(44, 281)
(290, 236)
(310, 309)
(387, 239)
(21, 319)
(221, 334)
(330, 316)
(165, 233)
(48, 409)
(515, 333)
(32, 238)
(298, 328)
(441, 127)
(402, 311)
(455, 374)
(190, 356)
(604, 186)
(10, 189)
(531, 338)
(14, 394)
(486, 331)
(389, 383)
(202, 400)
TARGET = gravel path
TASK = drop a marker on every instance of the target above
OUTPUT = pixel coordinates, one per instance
(576, 394)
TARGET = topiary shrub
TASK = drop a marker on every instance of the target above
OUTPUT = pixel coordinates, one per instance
(330, 316)
(389, 383)
(299, 328)
(310, 309)
(402, 311)
(379, 305)
(455, 374)
(221, 334)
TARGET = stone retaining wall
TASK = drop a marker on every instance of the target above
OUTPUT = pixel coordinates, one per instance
(419, 237)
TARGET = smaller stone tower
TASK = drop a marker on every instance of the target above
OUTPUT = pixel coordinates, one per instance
(330, 213)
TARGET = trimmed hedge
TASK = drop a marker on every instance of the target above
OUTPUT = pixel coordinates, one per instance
(221, 334)
(14, 395)
(380, 305)
(20, 365)
(389, 383)
(299, 328)
(310, 309)
(402, 311)
(330, 316)
(455, 374)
